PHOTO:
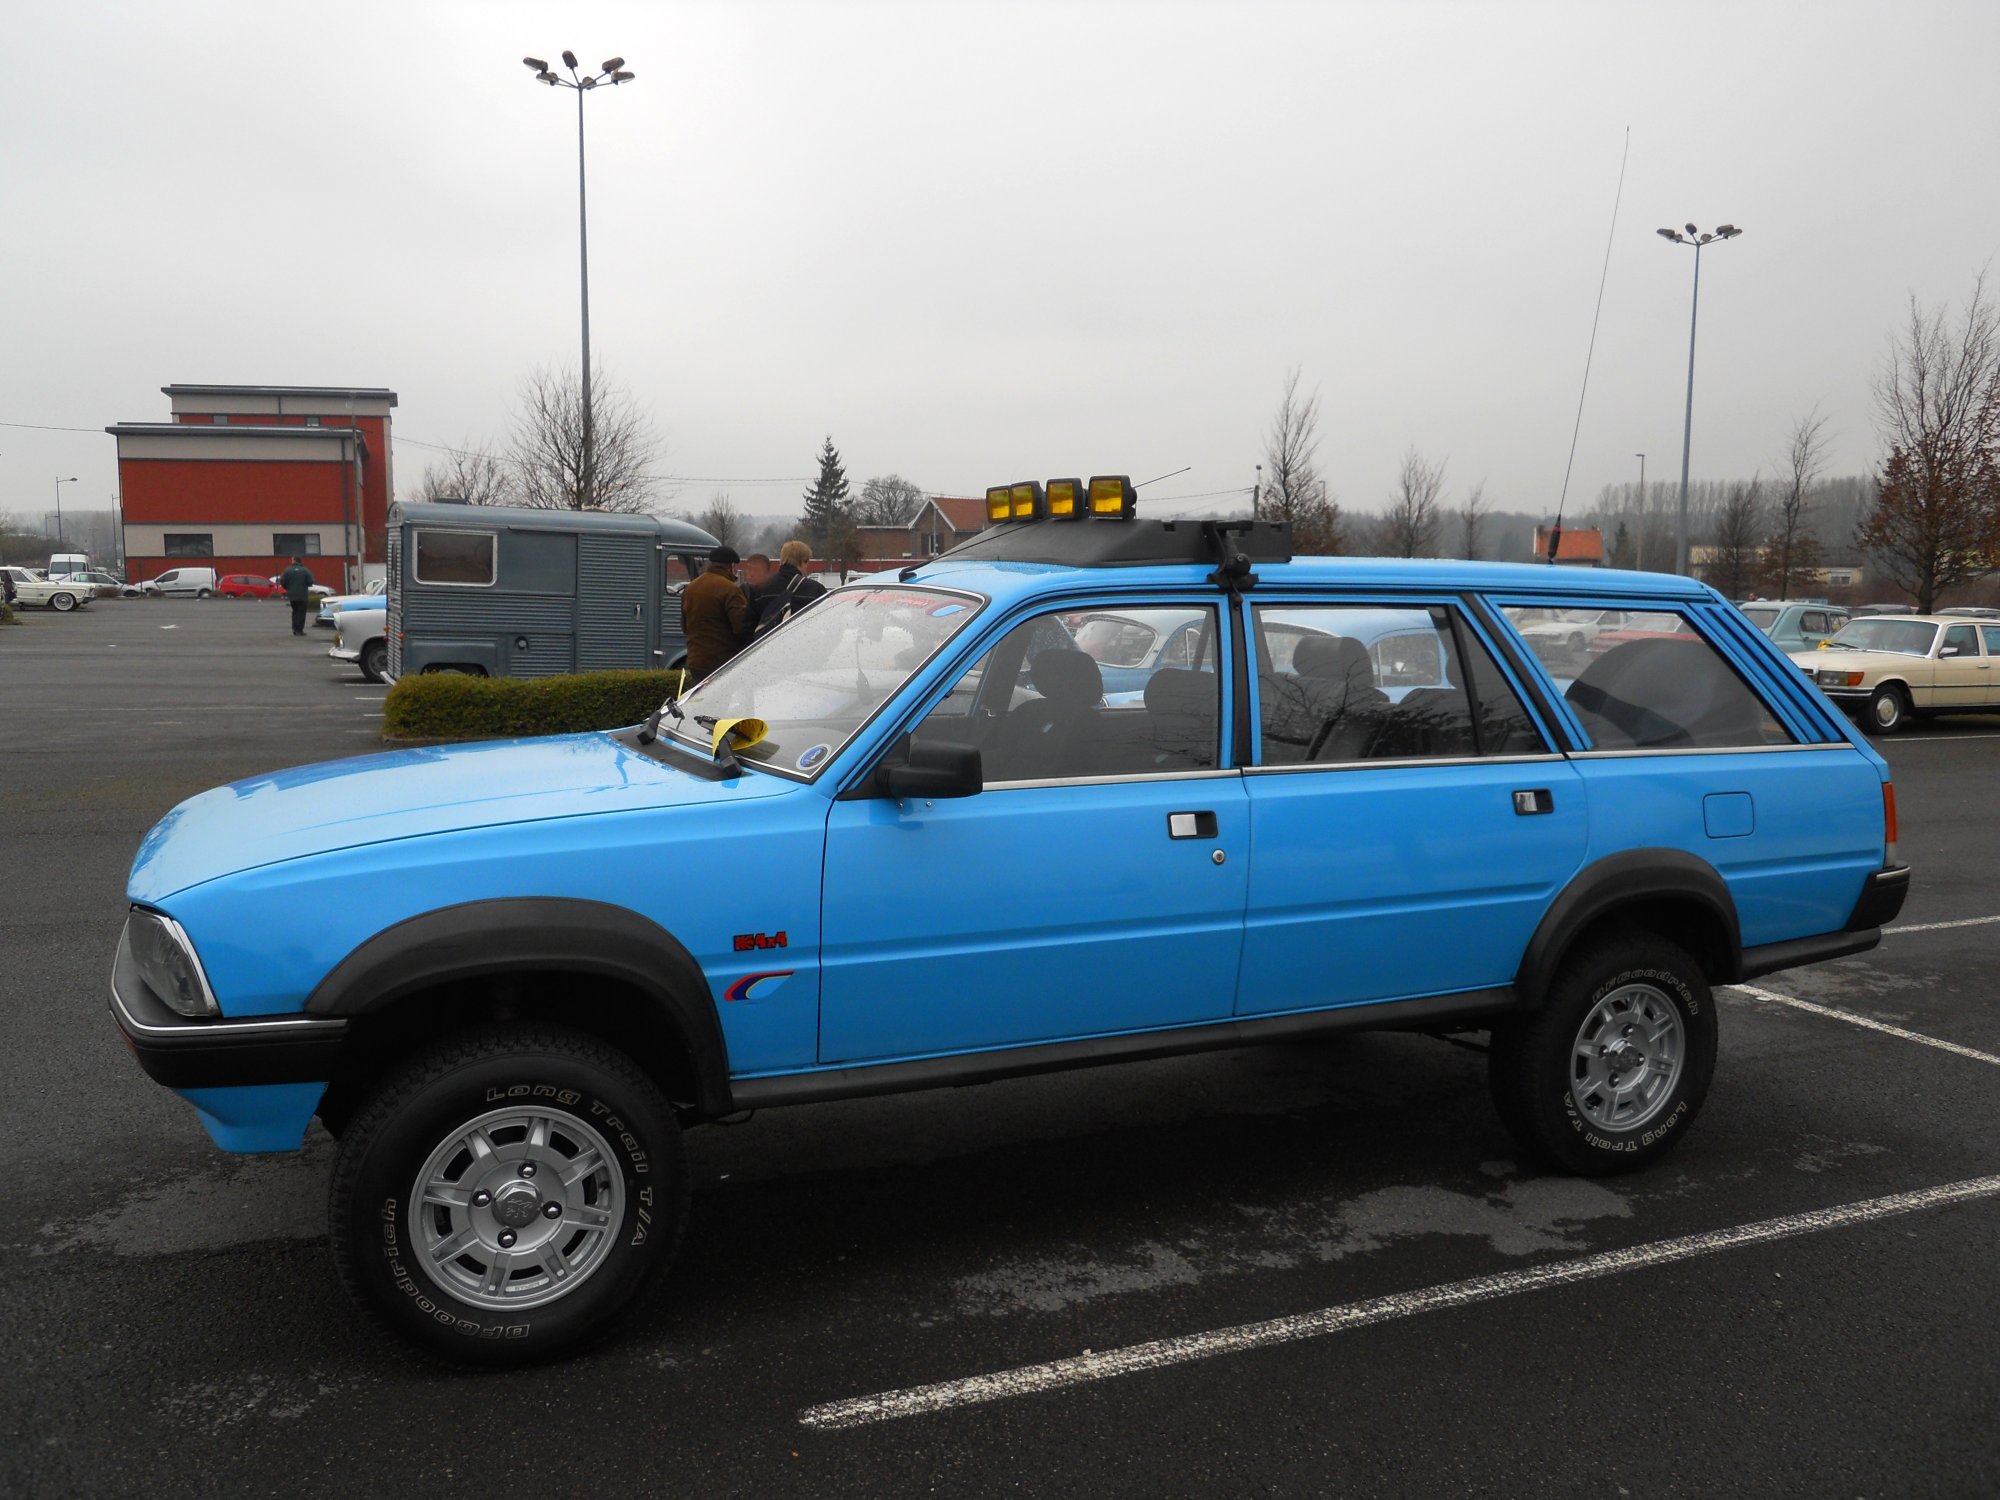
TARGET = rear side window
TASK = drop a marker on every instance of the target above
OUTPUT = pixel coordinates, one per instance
(1339, 683)
(1992, 634)
(1645, 680)
(455, 557)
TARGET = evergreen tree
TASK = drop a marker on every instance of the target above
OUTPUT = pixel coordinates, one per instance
(827, 512)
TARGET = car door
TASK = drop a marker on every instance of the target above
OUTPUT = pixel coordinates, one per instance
(1408, 838)
(1989, 637)
(1962, 677)
(1094, 885)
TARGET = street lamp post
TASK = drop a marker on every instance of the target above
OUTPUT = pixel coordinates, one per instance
(613, 71)
(1642, 511)
(1697, 239)
(60, 482)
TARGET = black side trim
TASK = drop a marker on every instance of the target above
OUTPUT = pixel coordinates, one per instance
(1054, 1057)
(528, 934)
(1631, 878)
(1881, 899)
(200, 1054)
(1768, 958)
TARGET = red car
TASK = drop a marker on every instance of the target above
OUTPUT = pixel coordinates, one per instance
(249, 586)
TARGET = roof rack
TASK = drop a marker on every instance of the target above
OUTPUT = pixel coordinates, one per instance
(1233, 545)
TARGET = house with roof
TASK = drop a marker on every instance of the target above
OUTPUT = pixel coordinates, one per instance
(940, 524)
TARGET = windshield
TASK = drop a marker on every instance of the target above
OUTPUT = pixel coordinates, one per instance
(818, 678)
(1905, 637)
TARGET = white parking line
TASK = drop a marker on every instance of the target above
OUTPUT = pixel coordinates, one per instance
(1854, 1020)
(1094, 1365)
(1939, 926)
(1948, 739)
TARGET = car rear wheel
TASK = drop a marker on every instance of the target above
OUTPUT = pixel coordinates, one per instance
(508, 1193)
(204, 593)
(1888, 710)
(62, 603)
(375, 661)
(1609, 1074)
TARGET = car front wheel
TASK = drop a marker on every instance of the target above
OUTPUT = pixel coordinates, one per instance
(1888, 710)
(506, 1194)
(1612, 1070)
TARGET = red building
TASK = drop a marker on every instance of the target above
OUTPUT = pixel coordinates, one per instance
(245, 476)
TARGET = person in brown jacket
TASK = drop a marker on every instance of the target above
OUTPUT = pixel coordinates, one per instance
(713, 609)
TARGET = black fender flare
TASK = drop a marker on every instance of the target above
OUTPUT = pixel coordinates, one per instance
(538, 933)
(1633, 877)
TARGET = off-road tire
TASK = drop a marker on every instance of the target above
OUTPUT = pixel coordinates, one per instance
(400, 1133)
(1542, 1067)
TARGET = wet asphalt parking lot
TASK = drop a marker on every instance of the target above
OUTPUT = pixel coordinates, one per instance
(1301, 1270)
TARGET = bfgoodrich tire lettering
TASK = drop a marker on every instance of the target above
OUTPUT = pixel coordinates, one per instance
(1610, 1073)
(507, 1193)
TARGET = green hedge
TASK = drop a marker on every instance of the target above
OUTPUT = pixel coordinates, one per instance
(453, 706)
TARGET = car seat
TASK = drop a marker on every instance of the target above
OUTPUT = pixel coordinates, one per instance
(1049, 735)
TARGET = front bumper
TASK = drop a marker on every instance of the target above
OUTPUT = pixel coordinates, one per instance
(340, 652)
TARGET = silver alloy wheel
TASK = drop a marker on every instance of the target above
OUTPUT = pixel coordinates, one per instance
(517, 1208)
(1627, 1057)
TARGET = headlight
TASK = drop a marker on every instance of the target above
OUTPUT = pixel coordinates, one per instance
(1839, 679)
(167, 963)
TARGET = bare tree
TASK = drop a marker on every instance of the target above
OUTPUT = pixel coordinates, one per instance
(723, 522)
(472, 473)
(887, 500)
(1294, 492)
(1410, 526)
(1738, 553)
(1472, 522)
(1793, 550)
(547, 450)
(1937, 397)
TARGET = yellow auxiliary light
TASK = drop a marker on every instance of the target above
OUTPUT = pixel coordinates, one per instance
(999, 504)
(1112, 497)
(1029, 504)
(1065, 499)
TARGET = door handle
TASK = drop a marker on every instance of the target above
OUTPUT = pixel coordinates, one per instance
(1191, 825)
(1537, 800)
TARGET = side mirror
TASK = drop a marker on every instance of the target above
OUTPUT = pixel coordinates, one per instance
(932, 769)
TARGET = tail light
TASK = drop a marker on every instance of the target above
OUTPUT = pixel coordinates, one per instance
(1889, 825)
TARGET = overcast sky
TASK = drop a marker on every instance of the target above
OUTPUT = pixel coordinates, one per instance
(984, 242)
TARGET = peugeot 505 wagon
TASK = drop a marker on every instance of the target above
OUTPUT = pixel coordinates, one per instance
(507, 978)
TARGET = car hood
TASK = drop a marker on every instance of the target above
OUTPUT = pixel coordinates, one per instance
(1857, 661)
(410, 793)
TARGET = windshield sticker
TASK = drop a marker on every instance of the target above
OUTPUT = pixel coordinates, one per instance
(812, 755)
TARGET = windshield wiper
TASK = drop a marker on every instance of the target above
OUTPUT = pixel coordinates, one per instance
(650, 730)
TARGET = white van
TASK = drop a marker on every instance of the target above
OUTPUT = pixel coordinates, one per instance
(198, 582)
(62, 564)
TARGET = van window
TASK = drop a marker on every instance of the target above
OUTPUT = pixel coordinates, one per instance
(1648, 681)
(465, 558)
(1352, 682)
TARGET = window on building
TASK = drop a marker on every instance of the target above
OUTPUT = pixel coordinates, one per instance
(456, 557)
(221, 419)
(312, 421)
(295, 544)
(189, 544)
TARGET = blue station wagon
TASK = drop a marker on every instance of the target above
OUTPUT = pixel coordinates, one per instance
(1350, 796)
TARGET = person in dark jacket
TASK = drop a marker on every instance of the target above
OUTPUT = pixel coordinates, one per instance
(789, 590)
(297, 582)
(713, 614)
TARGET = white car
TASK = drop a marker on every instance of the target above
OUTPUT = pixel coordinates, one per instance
(101, 583)
(332, 604)
(58, 594)
(361, 636)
